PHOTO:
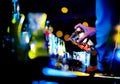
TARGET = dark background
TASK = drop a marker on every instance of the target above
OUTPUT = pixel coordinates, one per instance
(22, 72)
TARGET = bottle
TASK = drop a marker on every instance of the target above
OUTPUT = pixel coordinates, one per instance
(117, 43)
(86, 44)
(75, 36)
(115, 63)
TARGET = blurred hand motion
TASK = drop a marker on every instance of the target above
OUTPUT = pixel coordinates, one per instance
(88, 31)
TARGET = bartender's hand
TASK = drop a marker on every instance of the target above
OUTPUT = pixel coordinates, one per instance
(88, 31)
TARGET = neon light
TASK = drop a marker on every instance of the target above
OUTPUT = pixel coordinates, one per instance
(55, 72)
(47, 82)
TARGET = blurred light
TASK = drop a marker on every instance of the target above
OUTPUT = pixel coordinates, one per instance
(32, 47)
(51, 29)
(64, 10)
(20, 26)
(59, 33)
(80, 73)
(39, 44)
(68, 55)
(25, 38)
(61, 47)
(35, 82)
(55, 72)
(85, 24)
(37, 21)
(22, 18)
(6, 38)
(117, 55)
(31, 54)
(12, 40)
(102, 76)
(81, 35)
(47, 24)
(53, 62)
(8, 29)
(18, 8)
(47, 82)
(64, 47)
(3, 45)
(13, 21)
(78, 29)
(118, 34)
(90, 43)
(12, 50)
(85, 40)
(37, 49)
(14, 1)
(66, 37)
(43, 82)
(44, 17)
(55, 52)
(47, 21)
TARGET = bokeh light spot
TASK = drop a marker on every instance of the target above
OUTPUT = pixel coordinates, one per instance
(66, 37)
(85, 24)
(64, 10)
(51, 29)
(59, 33)
(13, 21)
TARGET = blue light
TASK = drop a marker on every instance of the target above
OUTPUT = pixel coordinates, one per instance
(117, 55)
(12, 40)
(14, 1)
(47, 22)
(35, 82)
(12, 50)
(53, 61)
(57, 73)
(47, 82)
